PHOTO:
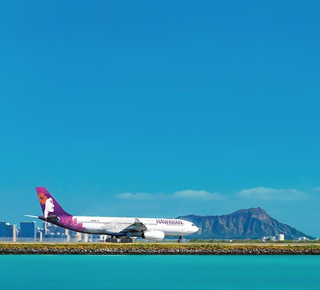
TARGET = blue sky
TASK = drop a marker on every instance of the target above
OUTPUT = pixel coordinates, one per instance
(139, 108)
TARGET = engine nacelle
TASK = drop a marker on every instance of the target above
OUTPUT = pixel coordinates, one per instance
(153, 235)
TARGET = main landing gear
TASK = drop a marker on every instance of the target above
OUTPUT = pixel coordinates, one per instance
(112, 240)
(122, 240)
(181, 239)
(126, 240)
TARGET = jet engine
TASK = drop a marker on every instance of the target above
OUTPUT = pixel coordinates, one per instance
(153, 235)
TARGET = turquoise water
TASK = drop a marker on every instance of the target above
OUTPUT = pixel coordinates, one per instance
(159, 272)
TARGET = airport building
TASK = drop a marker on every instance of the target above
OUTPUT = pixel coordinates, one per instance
(54, 233)
(3, 229)
(8, 232)
(27, 230)
(48, 233)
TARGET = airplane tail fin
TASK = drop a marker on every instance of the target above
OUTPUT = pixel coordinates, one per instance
(49, 206)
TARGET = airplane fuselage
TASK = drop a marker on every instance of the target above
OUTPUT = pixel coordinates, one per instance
(120, 226)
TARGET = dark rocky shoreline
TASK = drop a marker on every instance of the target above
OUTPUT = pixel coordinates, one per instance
(154, 249)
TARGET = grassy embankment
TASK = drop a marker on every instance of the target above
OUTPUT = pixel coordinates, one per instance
(160, 249)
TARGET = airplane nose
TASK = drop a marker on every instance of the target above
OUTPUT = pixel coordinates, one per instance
(196, 229)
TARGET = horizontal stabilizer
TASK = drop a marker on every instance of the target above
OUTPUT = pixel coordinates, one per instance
(31, 216)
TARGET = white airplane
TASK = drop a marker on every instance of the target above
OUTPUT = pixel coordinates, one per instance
(123, 228)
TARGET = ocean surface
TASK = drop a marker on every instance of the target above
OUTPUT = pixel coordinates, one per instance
(159, 272)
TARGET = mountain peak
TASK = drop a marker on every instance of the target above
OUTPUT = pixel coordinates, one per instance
(251, 213)
(254, 212)
(251, 223)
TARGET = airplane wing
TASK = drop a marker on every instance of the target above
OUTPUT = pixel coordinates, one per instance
(137, 226)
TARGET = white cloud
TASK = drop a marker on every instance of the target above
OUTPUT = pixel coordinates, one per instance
(264, 193)
(184, 194)
(135, 196)
(197, 194)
